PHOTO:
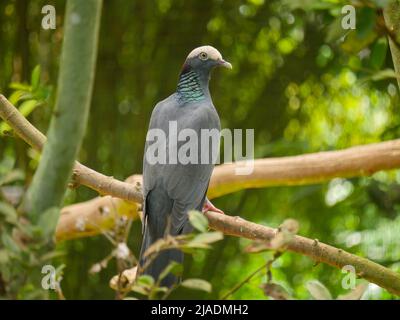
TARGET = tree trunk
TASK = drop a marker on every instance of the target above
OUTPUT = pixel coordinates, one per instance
(392, 19)
(68, 123)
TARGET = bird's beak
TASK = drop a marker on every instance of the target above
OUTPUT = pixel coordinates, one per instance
(225, 64)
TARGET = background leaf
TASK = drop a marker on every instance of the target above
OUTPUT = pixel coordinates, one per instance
(197, 284)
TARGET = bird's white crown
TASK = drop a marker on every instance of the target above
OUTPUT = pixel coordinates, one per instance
(211, 52)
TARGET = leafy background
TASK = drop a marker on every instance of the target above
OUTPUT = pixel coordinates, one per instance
(299, 80)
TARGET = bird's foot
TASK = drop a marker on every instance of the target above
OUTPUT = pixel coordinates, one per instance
(208, 206)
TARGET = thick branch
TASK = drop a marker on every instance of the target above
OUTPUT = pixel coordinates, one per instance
(314, 249)
(238, 227)
(308, 168)
(295, 170)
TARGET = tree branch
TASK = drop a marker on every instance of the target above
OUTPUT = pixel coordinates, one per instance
(99, 214)
(318, 251)
(307, 169)
(294, 170)
(93, 216)
(81, 174)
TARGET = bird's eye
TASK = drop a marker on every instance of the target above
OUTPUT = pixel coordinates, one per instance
(203, 56)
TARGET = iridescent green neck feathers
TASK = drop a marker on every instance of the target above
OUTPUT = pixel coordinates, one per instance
(189, 87)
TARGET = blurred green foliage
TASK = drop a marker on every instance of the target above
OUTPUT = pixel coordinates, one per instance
(302, 83)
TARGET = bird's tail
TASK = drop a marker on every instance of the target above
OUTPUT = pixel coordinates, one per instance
(162, 260)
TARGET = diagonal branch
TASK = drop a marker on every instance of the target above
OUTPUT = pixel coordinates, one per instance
(81, 174)
(295, 170)
(318, 251)
(310, 168)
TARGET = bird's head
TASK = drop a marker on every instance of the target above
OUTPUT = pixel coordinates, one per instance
(204, 59)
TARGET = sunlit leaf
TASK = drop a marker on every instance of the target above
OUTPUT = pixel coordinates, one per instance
(173, 267)
(8, 212)
(20, 86)
(145, 281)
(335, 30)
(198, 220)
(206, 238)
(12, 176)
(35, 77)
(140, 289)
(309, 4)
(9, 243)
(318, 291)
(197, 284)
(385, 74)
(28, 106)
(125, 280)
(354, 294)
(18, 95)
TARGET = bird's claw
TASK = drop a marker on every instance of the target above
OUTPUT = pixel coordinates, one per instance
(208, 206)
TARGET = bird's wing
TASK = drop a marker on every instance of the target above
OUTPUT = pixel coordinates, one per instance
(185, 184)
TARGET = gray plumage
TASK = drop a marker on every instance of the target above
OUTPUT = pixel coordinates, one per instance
(171, 190)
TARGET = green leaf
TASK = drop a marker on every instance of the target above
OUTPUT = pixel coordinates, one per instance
(353, 43)
(173, 267)
(384, 74)
(52, 255)
(159, 289)
(197, 284)
(378, 54)
(335, 30)
(308, 5)
(9, 243)
(145, 281)
(366, 19)
(35, 77)
(318, 291)
(381, 3)
(28, 106)
(198, 220)
(21, 86)
(12, 176)
(206, 238)
(25, 109)
(18, 95)
(9, 213)
(4, 256)
(140, 289)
